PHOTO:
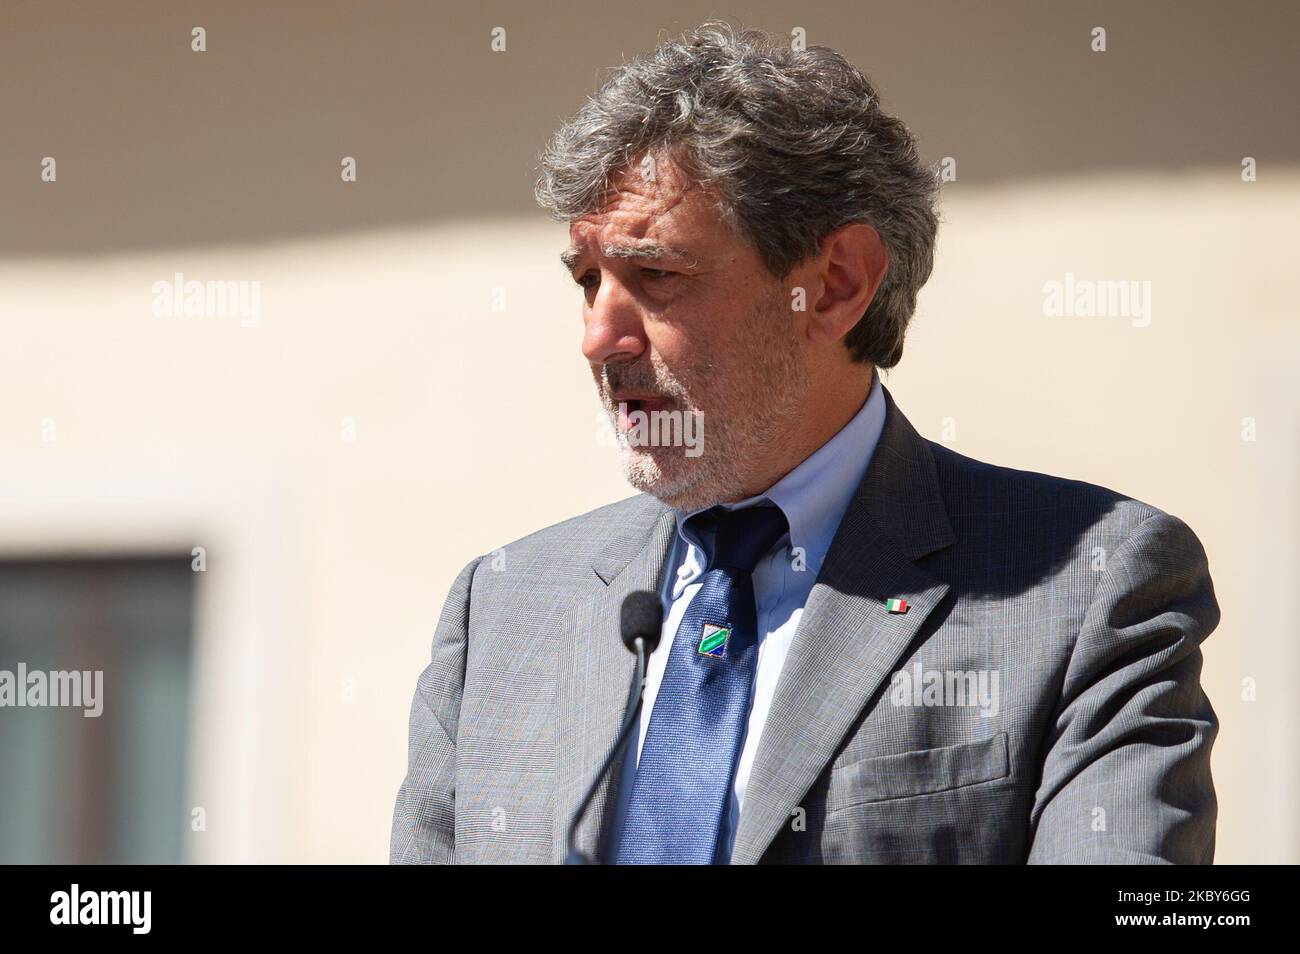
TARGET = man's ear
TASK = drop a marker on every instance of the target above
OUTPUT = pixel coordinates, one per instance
(848, 273)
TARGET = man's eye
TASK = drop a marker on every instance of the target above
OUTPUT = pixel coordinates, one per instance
(592, 279)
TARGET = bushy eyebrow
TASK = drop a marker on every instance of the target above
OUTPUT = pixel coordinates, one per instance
(646, 250)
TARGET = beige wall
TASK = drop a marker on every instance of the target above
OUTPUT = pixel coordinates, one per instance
(328, 559)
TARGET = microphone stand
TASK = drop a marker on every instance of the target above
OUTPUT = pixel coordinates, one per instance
(574, 856)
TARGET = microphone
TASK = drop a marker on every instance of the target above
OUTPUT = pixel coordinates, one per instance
(641, 618)
(640, 623)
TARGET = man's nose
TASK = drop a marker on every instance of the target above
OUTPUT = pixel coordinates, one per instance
(615, 331)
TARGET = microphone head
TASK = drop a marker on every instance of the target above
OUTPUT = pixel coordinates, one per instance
(642, 617)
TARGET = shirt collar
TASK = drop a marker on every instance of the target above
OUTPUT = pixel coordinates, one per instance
(815, 495)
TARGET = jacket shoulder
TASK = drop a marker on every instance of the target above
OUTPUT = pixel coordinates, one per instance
(1021, 532)
(976, 491)
(595, 527)
(572, 545)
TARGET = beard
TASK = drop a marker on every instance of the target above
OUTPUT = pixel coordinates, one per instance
(746, 402)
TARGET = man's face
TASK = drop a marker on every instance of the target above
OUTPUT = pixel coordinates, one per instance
(682, 319)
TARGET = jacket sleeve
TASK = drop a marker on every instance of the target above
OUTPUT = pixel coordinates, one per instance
(424, 820)
(1126, 766)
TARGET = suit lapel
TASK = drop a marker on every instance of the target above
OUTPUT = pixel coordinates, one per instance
(847, 642)
(596, 671)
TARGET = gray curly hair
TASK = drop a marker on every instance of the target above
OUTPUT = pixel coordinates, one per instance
(793, 141)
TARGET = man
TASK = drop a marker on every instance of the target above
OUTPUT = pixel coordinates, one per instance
(874, 649)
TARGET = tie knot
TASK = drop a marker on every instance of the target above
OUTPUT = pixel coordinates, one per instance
(741, 537)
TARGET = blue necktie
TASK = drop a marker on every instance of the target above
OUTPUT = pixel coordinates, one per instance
(684, 778)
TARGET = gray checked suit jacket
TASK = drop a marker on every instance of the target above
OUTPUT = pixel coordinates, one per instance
(1087, 605)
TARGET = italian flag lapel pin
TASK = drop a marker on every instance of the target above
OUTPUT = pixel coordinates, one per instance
(896, 605)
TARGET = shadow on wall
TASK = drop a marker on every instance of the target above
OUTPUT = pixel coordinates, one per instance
(158, 146)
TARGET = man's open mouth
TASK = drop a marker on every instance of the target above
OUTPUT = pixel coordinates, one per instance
(646, 404)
